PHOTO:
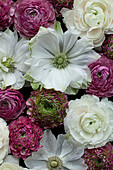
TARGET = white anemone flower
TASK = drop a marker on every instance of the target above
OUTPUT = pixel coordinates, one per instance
(13, 53)
(57, 154)
(60, 60)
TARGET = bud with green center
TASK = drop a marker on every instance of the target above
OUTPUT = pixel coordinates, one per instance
(47, 107)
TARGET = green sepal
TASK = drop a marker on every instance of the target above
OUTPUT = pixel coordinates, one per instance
(28, 77)
(37, 85)
(72, 91)
(57, 27)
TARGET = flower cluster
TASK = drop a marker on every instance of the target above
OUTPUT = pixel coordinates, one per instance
(56, 75)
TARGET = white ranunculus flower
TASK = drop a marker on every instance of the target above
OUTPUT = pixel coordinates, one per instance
(90, 121)
(10, 166)
(13, 53)
(57, 154)
(91, 18)
(4, 140)
(11, 163)
(60, 60)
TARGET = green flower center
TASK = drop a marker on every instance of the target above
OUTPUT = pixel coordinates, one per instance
(8, 63)
(46, 106)
(54, 163)
(60, 61)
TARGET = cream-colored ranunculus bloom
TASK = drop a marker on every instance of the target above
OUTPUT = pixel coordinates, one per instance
(91, 18)
(4, 139)
(90, 121)
(10, 166)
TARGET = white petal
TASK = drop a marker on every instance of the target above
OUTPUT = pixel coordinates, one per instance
(46, 46)
(40, 72)
(85, 59)
(36, 157)
(75, 165)
(49, 141)
(76, 152)
(8, 39)
(21, 54)
(11, 159)
(69, 39)
(77, 75)
(81, 46)
(36, 165)
(19, 80)
(60, 140)
(66, 148)
(59, 79)
(9, 78)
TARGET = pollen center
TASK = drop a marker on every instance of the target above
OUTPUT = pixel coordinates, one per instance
(60, 61)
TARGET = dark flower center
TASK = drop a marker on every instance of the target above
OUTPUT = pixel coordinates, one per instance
(4, 103)
(33, 13)
(98, 161)
(47, 105)
(23, 134)
(99, 74)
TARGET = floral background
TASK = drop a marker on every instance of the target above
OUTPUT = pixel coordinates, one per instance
(56, 84)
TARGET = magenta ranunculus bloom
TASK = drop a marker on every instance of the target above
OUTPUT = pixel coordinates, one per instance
(12, 104)
(99, 158)
(6, 13)
(31, 14)
(24, 137)
(102, 77)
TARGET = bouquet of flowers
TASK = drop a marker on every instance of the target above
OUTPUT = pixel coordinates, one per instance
(56, 84)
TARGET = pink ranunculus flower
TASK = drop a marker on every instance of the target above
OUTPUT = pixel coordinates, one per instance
(102, 77)
(24, 137)
(6, 13)
(12, 104)
(31, 14)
